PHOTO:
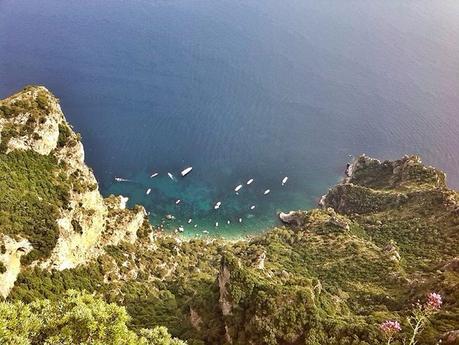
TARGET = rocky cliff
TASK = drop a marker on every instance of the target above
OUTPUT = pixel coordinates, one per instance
(33, 127)
(379, 242)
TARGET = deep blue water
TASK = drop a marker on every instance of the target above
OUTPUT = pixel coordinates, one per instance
(240, 89)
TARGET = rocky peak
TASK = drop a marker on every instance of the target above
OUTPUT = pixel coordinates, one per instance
(374, 186)
(405, 172)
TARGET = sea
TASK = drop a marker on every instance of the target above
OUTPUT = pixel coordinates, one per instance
(239, 90)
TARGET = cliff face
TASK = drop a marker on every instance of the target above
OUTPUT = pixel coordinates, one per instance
(32, 123)
(381, 240)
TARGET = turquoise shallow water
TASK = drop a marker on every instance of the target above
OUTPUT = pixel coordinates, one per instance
(239, 90)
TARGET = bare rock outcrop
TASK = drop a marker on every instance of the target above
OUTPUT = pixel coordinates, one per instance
(292, 218)
(10, 257)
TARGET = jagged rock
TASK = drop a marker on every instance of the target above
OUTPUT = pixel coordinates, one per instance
(292, 218)
(224, 300)
(260, 264)
(43, 137)
(340, 223)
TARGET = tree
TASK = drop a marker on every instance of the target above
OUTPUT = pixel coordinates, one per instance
(77, 318)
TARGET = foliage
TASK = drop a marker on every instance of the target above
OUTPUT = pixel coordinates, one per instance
(64, 135)
(32, 193)
(76, 318)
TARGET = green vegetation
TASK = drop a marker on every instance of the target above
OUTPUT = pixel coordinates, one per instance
(64, 135)
(76, 318)
(32, 193)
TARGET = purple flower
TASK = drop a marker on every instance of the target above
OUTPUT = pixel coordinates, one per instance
(390, 327)
(434, 301)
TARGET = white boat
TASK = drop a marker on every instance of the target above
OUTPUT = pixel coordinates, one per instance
(196, 225)
(238, 188)
(186, 171)
(217, 205)
(216, 223)
(190, 220)
(205, 231)
(178, 201)
(154, 175)
(148, 191)
(171, 176)
(252, 207)
(120, 179)
(240, 220)
(284, 181)
(250, 181)
(181, 229)
(229, 222)
(267, 191)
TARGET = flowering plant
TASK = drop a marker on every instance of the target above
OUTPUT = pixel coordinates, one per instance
(417, 321)
(390, 328)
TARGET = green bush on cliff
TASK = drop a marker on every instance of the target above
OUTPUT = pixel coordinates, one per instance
(64, 135)
(32, 193)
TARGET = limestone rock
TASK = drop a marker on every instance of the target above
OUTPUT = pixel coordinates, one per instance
(10, 257)
(292, 218)
(223, 280)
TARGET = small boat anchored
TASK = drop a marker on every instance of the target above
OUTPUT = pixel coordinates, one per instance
(178, 201)
(186, 171)
(154, 175)
(238, 188)
(148, 191)
(267, 192)
(250, 181)
(120, 179)
(284, 181)
(252, 207)
(171, 176)
(217, 205)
